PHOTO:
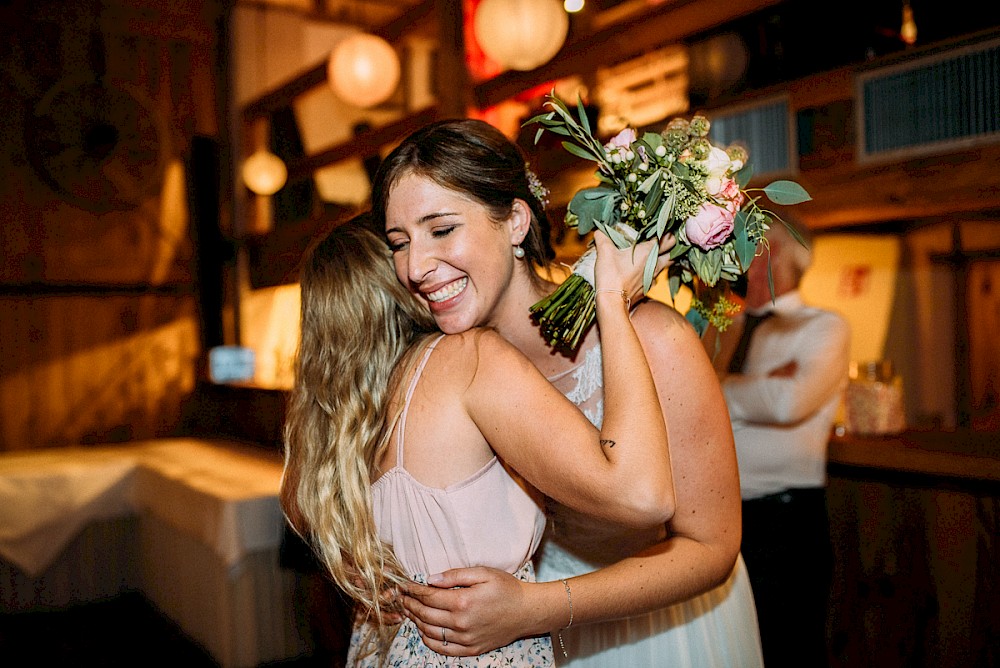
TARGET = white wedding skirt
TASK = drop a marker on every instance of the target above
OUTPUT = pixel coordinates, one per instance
(717, 629)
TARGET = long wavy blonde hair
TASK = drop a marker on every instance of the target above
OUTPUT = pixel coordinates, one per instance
(358, 328)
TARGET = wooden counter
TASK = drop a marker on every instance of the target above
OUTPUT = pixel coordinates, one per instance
(954, 456)
(915, 522)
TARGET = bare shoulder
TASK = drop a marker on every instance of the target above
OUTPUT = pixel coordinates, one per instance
(477, 350)
(662, 325)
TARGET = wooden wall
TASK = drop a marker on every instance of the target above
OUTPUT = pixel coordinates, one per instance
(100, 335)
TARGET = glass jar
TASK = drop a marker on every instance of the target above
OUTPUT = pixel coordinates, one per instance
(873, 403)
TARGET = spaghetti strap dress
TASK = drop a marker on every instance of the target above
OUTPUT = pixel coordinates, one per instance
(717, 629)
(487, 519)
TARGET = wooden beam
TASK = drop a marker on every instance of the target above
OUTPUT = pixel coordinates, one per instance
(365, 143)
(662, 25)
(40, 289)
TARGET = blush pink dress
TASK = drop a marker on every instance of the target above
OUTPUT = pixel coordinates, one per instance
(485, 520)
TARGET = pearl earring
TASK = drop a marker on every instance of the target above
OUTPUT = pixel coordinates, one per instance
(518, 252)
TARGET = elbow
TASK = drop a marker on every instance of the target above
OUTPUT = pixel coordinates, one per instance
(650, 505)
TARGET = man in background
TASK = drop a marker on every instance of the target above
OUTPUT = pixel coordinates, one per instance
(783, 388)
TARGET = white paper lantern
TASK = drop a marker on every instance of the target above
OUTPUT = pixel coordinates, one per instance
(520, 34)
(264, 173)
(363, 70)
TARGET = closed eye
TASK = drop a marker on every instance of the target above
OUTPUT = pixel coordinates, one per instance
(443, 231)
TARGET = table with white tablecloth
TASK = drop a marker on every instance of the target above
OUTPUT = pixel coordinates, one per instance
(193, 524)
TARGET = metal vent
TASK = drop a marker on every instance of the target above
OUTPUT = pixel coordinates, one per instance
(762, 128)
(931, 104)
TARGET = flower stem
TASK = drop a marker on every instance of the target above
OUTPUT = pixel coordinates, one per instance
(566, 314)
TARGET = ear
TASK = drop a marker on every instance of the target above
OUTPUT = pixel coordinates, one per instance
(519, 221)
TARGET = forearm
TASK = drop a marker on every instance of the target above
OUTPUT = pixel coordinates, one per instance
(663, 575)
(633, 432)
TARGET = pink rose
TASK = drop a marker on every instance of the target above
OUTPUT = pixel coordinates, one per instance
(710, 227)
(732, 196)
(623, 139)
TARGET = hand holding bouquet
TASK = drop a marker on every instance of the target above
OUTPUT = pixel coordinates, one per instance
(673, 182)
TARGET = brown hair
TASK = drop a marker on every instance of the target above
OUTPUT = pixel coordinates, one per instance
(475, 159)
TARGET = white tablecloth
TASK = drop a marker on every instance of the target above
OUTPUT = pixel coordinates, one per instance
(197, 524)
(223, 493)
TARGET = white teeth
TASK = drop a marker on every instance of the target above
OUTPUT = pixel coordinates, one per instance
(448, 291)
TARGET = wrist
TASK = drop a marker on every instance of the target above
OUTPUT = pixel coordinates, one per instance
(548, 609)
(621, 294)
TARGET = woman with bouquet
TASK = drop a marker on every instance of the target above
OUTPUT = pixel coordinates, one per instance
(456, 204)
(398, 444)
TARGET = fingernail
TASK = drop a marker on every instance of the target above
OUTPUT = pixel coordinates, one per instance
(435, 579)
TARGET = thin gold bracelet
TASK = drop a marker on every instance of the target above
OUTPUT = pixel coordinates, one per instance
(569, 597)
(625, 298)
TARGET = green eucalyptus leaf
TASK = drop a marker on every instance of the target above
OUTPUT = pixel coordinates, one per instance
(674, 283)
(649, 268)
(653, 140)
(582, 113)
(616, 236)
(743, 176)
(786, 192)
(665, 213)
(579, 152)
(609, 209)
(598, 192)
(650, 180)
(795, 233)
(559, 130)
(770, 277)
(587, 208)
(745, 249)
(653, 197)
(697, 320)
(679, 249)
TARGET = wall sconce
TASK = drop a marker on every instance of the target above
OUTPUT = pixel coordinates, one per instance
(520, 34)
(363, 70)
(264, 173)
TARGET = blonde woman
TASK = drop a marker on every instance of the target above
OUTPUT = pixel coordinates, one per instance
(400, 443)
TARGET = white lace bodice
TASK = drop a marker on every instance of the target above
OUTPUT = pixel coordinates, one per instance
(576, 543)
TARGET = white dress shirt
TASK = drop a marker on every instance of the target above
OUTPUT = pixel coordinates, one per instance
(782, 423)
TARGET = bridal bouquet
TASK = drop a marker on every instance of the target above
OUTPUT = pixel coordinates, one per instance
(672, 182)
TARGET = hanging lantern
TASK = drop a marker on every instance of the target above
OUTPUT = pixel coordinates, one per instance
(264, 173)
(363, 70)
(520, 34)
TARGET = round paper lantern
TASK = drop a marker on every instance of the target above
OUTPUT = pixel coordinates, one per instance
(363, 70)
(520, 34)
(264, 173)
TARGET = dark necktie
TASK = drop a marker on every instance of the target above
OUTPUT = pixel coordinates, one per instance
(750, 323)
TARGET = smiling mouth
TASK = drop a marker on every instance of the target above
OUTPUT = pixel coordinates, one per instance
(448, 291)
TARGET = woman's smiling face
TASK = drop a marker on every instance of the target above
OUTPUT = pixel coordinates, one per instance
(449, 252)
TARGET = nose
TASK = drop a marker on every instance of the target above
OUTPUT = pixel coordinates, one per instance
(419, 264)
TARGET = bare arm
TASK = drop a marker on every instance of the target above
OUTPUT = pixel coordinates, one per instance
(622, 473)
(494, 609)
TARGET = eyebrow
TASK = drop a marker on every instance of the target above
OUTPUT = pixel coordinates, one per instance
(426, 219)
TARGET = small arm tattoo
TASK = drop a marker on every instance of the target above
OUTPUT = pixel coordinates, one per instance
(608, 442)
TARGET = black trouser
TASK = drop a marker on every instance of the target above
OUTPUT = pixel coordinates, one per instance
(786, 546)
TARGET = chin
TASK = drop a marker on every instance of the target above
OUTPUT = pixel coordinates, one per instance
(450, 325)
